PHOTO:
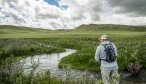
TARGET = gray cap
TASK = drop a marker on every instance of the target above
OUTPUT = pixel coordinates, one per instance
(104, 36)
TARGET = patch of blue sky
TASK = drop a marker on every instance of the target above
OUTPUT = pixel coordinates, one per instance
(56, 3)
(53, 2)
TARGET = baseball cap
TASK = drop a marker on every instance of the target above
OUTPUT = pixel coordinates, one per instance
(104, 36)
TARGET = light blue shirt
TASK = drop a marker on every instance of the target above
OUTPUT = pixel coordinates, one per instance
(101, 54)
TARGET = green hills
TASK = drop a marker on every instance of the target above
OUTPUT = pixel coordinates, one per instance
(7, 31)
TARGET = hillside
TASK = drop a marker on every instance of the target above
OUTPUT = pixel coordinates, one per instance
(110, 27)
(7, 31)
(19, 29)
(91, 27)
(20, 41)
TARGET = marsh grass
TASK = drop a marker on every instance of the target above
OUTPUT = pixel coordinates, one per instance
(131, 49)
(24, 47)
(9, 74)
(130, 41)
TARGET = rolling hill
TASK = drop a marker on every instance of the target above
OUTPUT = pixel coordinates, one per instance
(7, 31)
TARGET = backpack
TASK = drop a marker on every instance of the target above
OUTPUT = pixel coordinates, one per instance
(110, 53)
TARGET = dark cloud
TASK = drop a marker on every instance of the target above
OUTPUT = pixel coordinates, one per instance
(131, 7)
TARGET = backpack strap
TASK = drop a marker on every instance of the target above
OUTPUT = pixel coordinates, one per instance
(104, 45)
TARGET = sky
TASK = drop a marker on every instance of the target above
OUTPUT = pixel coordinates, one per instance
(69, 14)
(53, 2)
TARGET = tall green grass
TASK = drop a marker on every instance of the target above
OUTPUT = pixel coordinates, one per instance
(130, 49)
(130, 42)
(24, 47)
(11, 75)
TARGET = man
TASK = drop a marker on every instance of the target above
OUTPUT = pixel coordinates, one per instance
(108, 69)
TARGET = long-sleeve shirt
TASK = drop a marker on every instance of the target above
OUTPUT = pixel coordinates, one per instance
(101, 54)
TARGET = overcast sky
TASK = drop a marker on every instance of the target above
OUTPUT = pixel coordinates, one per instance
(56, 14)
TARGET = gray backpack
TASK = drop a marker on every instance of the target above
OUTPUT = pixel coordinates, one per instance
(110, 53)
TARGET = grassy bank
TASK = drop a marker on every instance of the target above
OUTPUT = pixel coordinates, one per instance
(9, 75)
(130, 41)
(24, 47)
(130, 49)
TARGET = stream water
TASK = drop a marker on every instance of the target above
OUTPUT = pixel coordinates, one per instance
(50, 61)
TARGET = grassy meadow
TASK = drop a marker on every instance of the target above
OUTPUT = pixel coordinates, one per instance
(22, 41)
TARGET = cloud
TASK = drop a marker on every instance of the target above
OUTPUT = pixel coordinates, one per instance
(71, 13)
(38, 13)
(83, 9)
(133, 8)
(122, 12)
(122, 19)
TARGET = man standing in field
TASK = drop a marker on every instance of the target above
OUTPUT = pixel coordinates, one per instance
(105, 55)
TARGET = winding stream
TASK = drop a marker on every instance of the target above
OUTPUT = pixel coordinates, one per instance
(50, 61)
(47, 61)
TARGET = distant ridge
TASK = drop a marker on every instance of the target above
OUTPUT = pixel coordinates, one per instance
(90, 27)
(20, 27)
(93, 27)
(8, 31)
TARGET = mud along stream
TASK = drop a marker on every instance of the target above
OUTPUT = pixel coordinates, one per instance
(50, 61)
